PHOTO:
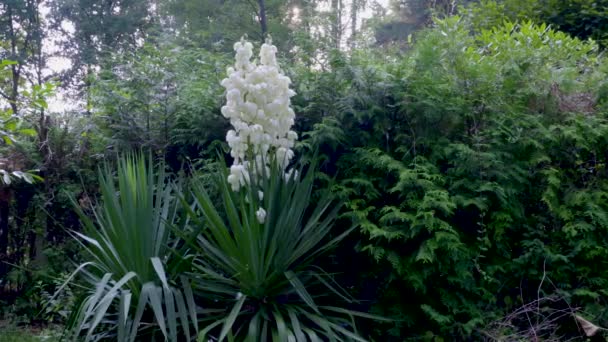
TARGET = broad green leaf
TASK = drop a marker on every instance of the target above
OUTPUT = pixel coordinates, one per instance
(28, 131)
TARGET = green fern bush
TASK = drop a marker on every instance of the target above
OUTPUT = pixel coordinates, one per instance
(470, 163)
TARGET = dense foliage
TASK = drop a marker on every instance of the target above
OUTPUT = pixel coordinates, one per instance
(452, 166)
(476, 161)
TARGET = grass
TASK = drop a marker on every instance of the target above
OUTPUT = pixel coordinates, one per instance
(12, 333)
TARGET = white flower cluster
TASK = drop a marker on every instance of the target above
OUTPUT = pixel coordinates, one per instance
(259, 108)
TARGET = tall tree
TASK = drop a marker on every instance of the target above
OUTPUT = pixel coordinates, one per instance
(581, 18)
(217, 24)
(21, 34)
(94, 28)
(23, 31)
(408, 16)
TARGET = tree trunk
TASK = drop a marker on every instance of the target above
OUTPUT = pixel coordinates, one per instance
(354, 8)
(15, 68)
(38, 237)
(336, 27)
(44, 147)
(263, 23)
(307, 9)
(5, 199)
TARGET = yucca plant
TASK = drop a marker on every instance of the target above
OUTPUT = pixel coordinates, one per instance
(129, 275)
(260, 267)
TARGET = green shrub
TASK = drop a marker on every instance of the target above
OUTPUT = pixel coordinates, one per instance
(468, 164)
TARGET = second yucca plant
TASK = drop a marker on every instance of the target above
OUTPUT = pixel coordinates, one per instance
(131, 285)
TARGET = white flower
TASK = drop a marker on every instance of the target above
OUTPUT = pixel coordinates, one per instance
(238, 176)
(261, 215)
(292, 136)
(258, 106)
(234, 182)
